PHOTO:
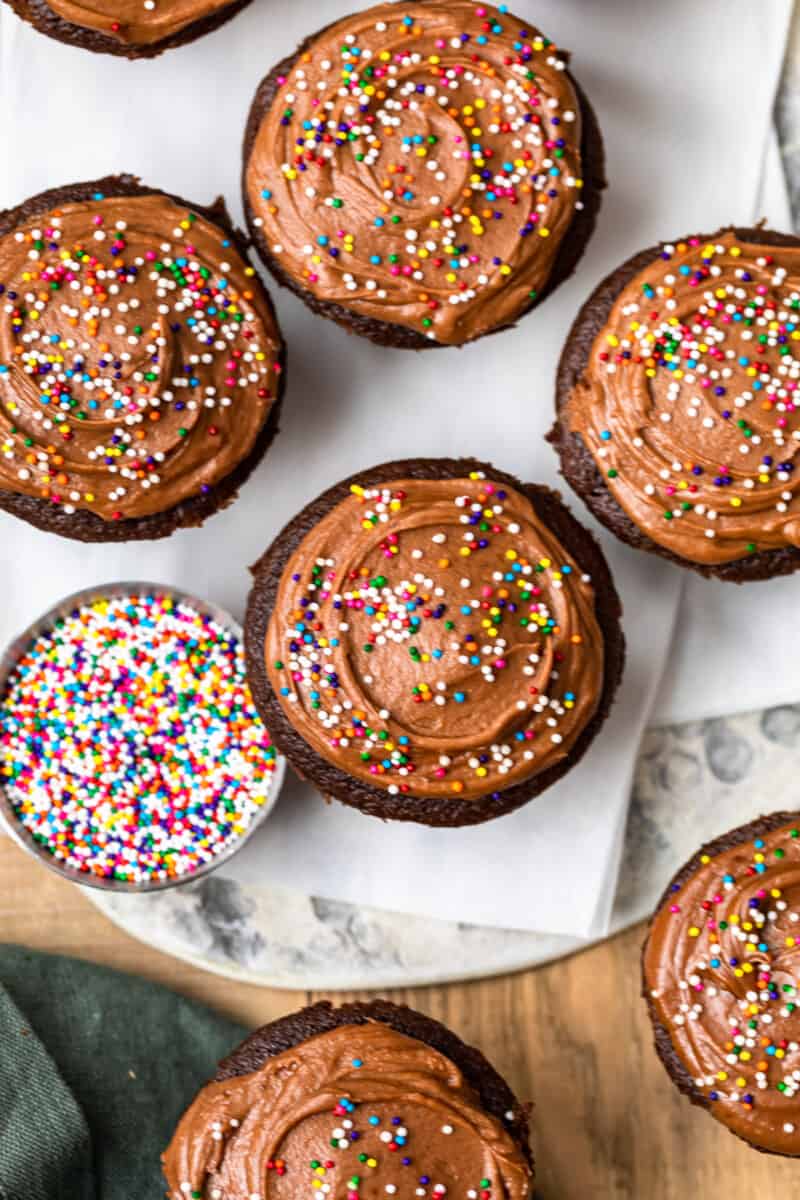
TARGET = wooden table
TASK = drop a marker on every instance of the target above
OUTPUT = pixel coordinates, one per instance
(572, 1037)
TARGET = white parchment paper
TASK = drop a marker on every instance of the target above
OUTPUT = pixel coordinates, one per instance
(686, 142)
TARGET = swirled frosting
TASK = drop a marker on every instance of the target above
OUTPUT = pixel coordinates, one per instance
(136, 22)
(421, 166)
(138, 356)
(358, 1112)
(688, 402)
(722, 968)
(432, 637)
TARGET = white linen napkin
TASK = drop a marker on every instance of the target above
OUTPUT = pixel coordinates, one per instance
(685, 153)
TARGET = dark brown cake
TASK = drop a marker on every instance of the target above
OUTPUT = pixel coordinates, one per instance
(598, 665)
(42, 17)
(751, 560)
(194, 500)
(395, 1071)
(721, 858)
(369, 324)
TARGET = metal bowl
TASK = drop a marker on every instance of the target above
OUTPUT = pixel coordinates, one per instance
(8, 662)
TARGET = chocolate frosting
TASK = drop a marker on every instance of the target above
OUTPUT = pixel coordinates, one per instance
(688, 400)
(433, 638)
(421, 167)
(361, 1111)
(721, 968)
(138, 356)
(136, 22)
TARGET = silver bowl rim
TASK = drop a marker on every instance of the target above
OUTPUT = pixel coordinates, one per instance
(11, 656)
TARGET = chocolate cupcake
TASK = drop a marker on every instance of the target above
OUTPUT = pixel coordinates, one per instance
(423, 176)
(141, 364)
(363, 1100)
(434, 641)
(131, 29)
(721, 981)
(677, 417)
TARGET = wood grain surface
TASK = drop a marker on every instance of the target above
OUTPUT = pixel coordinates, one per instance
(572, 1037)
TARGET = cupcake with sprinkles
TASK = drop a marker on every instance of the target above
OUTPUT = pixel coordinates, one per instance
(423, 174)
(128, 28)
(130, 751)
(141, 365)
(361, 1101)
(721, 976)
(678, 422)
(434, 641)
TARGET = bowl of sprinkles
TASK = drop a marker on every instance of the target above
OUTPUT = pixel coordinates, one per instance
(132, 757)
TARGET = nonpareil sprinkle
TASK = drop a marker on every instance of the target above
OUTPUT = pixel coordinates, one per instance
(129, 744)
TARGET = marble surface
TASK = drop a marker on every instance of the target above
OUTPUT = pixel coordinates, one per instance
(693, 781)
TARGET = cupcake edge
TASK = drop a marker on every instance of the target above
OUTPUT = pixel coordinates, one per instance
(578, 465)
(495, 1095)
(375, 802)
(385, 333)
(45, 21)
(670, 1059)
(84, 526)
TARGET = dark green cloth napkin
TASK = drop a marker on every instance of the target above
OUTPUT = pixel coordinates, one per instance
(95, 1070)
